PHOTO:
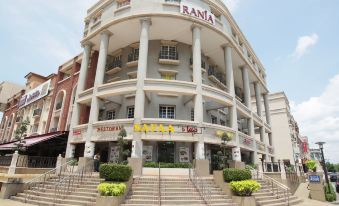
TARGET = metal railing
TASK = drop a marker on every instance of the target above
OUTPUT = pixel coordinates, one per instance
(133, 57)
(67, 183)
(113, 64)
(159, 186)
(278, 189)
(271, 167)
(200, 185)
(168, 55)
(5, 160)
(36, 162)
(38, 184)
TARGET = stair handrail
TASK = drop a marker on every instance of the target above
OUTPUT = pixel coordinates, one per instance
(159, 186)
(200, 185)
(65, 185)
(38, 183)
(275, 185)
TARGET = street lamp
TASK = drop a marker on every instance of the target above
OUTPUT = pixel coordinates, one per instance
(321, 147)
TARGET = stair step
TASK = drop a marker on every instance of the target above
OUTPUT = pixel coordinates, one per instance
(51, 200)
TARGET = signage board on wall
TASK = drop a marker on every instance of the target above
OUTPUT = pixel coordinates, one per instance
(35, 94)
(314, 178)
(147, 153)
(184, 154)
(197, 12)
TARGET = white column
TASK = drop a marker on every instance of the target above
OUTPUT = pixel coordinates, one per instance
(267, 109)
(247, 90)
(140, 94)
(258, 98)
(80, 87)
(99, 78)
(197, 79)
(12, 167)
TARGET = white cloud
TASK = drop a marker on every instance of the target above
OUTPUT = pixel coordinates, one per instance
(318, 118)
(304, 44)
(232, 5)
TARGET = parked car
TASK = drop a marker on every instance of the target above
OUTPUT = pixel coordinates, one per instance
(334, 177)
(337, 186)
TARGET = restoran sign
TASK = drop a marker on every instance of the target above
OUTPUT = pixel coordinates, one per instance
(35, 94)
(197, 12)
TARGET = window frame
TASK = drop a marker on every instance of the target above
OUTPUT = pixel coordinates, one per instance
(214, 118)
(112, 113)
(128, 112)
(167, 115)
(168, 52)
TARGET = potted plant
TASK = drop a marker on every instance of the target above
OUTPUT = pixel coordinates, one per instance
(311, 165)
(111, 194)
(243, 192)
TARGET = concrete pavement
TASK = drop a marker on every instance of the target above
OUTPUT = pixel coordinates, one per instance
(12, 203)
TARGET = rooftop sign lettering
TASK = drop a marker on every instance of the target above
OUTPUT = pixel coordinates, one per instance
(197, 12)
(35, 94)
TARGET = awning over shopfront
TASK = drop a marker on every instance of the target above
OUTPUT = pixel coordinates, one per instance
(33, 140)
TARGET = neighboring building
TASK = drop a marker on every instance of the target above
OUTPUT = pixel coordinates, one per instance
(176, 76)
(7, 90)
(285, 130)
(315, 154)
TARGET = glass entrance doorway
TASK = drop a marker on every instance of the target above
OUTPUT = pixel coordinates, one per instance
(166, 152)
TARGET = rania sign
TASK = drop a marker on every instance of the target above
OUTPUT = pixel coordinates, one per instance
(197, 12)
(35, 94)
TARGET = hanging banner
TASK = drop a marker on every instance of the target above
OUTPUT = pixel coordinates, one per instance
(184, 154)
(147, 153)
(114, 155)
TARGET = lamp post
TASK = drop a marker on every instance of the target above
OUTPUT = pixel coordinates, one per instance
(321, 147)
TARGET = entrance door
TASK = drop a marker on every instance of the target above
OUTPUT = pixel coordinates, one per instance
(166, 152)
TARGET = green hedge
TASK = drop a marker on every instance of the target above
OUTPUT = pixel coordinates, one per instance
(232, 174)
(115, 172)
(330, 195)
(167, 165)
(111, 189)
(245, 187)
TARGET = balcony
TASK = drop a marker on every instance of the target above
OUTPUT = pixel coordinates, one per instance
(123, 3)
(246, 141)
(132, 60)
(270, 150)
(79, 133)
(169, 58)
(217, 78)
(37, 112)
(260, 146)
(203, 65)
(114, 67)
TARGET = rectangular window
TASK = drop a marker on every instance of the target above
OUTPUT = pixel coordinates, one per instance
(130, 112)
(169, 52)
(214, 119)
(222, 123)
(167, 112)
(110, 115)
(192, 114)
(168, 76)
(134, 56)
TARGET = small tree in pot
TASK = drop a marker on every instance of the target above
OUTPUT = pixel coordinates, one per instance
(311, 165)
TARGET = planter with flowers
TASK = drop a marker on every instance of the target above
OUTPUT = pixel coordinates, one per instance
(243, 192)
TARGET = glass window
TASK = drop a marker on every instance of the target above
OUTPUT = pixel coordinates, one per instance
(168, 76)
(168, 52)
(110, 115)
(167, 112)
(214, 119)
(123, 3)
(130, 112)
(222, 122)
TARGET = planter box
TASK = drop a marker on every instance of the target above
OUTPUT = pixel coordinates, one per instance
(244, 201)
(112, 200)
(218, 177)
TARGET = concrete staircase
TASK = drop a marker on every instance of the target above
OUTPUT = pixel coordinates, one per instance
(173, 191)
(83, 194)
(265, 197)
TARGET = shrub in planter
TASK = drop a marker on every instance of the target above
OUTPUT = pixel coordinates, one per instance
(111, 189)
(245, 187)
(330, 195)
(115, 172)
(311, 165)
(232, 174)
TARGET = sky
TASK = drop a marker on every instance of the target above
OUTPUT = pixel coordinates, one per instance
(297, 41)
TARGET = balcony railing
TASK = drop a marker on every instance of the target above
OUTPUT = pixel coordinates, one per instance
(5, 160)
(203, 64)
(123, 3)
(37, 112)
(36, 162)
(216, 77)
(114, 64)
(133, 57)
(58, 106)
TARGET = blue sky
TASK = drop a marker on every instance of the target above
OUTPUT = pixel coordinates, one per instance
(297, 41)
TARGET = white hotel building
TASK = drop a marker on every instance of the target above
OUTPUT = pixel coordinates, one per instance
(175, 74)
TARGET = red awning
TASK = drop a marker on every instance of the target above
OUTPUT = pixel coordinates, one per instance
(30, 141)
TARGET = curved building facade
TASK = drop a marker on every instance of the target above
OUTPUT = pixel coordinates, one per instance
(176, 75)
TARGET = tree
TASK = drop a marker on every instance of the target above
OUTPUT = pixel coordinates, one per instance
(19, 134)
(330, 167)
(223, 155)
(121, 144)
